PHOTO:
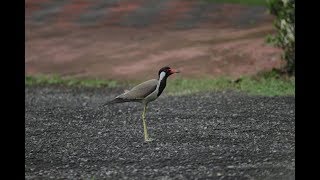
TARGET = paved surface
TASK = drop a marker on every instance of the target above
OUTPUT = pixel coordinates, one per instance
(131, 39)
(207, 136)
(141, 13)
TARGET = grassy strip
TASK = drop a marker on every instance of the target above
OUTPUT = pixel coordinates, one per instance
(267, 84)
(261, 86)
(245, 2)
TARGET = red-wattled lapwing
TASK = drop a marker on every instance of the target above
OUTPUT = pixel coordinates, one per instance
(146, 92)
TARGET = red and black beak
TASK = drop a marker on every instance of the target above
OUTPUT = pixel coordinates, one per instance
(172, 71)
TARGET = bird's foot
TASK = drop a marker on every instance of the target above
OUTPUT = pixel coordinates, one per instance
(148, 139)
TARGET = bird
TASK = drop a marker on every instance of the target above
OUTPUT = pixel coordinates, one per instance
(145, 93)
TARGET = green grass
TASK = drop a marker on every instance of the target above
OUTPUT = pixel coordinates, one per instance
(256, 85)
(266, 84)
(245, 2)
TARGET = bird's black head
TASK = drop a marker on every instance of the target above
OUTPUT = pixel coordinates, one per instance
(164, 73)
(168, 71)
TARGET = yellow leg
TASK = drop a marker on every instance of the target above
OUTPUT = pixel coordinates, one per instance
(146, 136)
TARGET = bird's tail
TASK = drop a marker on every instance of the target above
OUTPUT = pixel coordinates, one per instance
(116, 100)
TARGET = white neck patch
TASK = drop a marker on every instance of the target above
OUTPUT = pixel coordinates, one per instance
(162, 75)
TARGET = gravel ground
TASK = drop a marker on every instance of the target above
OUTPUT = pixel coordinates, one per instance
(224, 135)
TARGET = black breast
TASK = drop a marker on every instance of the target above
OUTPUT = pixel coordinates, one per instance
(162, 86)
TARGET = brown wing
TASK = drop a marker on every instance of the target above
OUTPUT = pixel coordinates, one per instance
(140, 91)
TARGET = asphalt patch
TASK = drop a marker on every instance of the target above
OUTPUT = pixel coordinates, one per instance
(223, 135)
